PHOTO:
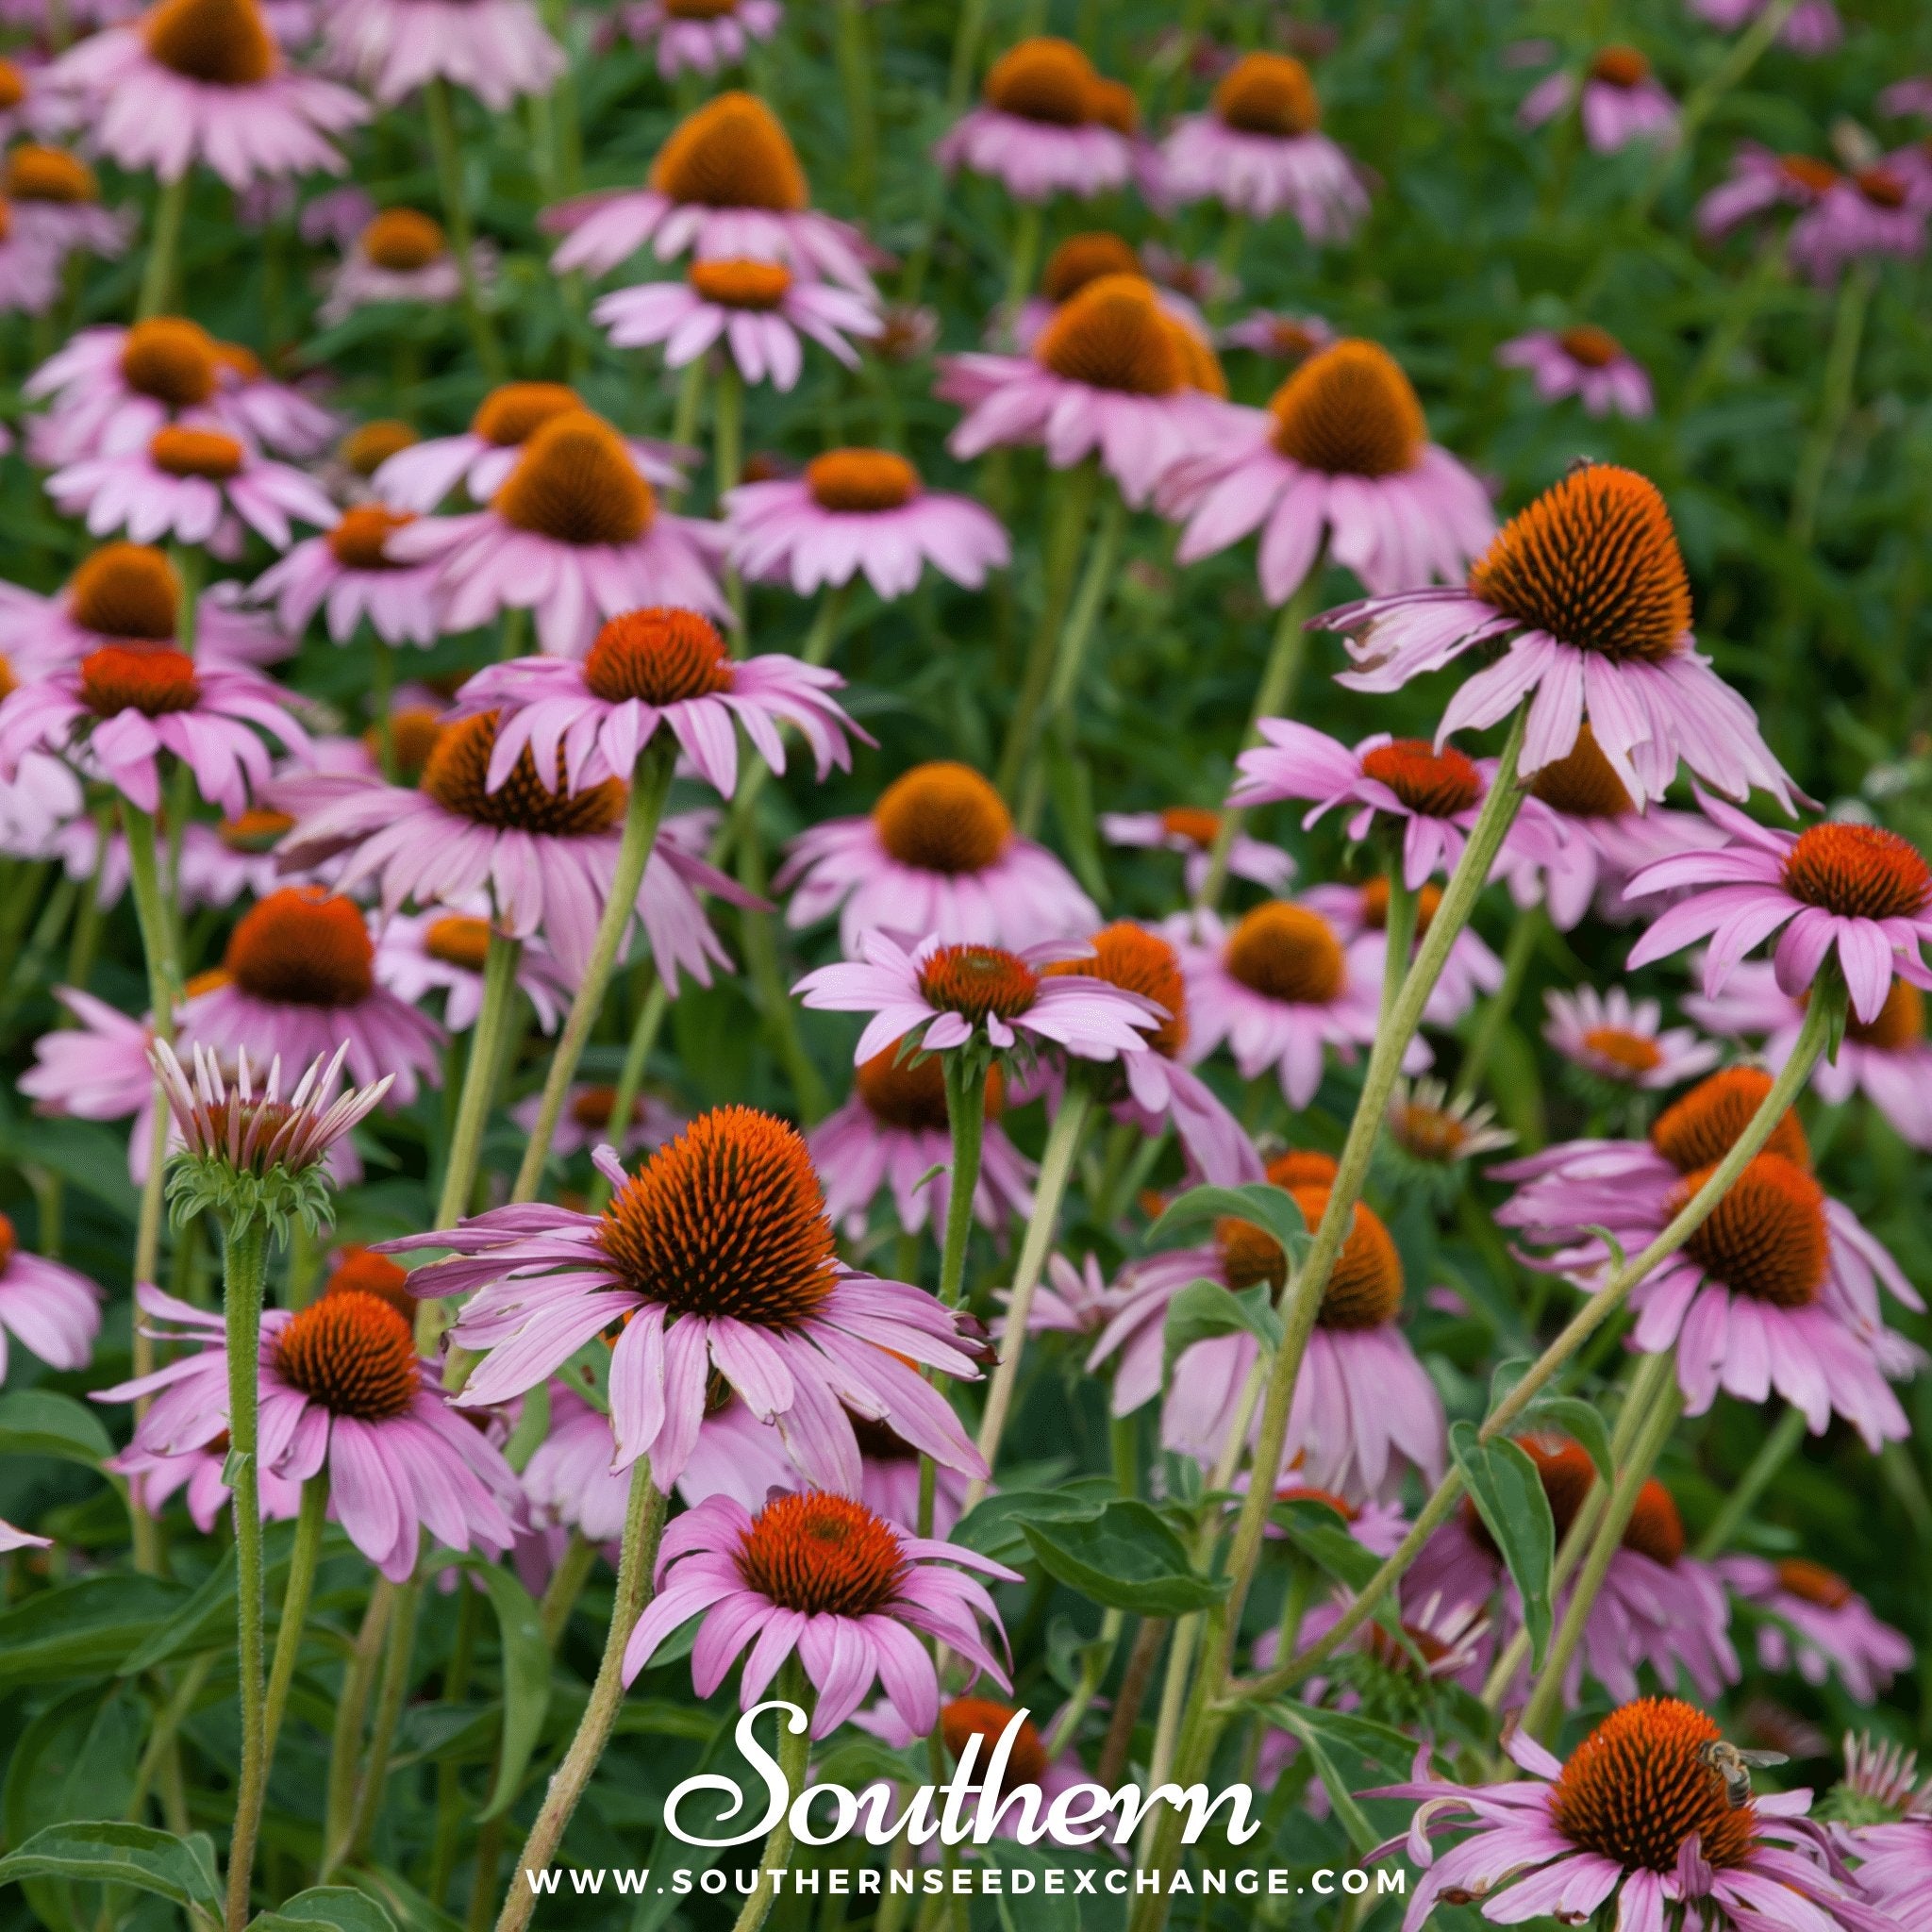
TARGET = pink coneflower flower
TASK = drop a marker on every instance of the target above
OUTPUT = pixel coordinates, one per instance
(1364, 1408)
(1278, 335)
(1856, 891)
(48, 1309)
(54, 198)
(29, 268)
(1277, 987)
(948, 994)
(198, 1474)
(699, 36)
(204, 80)
(1909, 98)
(759, 310)
(545, 855)
(1036, 130)
(1877, 213)
(420, 954)
(1113, 376)
(297, 980)
(1622, 1041)
(1812, 1620)
(716, 1254)
(1586, 363)
(32, 102)
(1157, 1090)
(860, 510)
(1191, 830)
(1435, 796)
(1260, 152)
(1605, 838)
(574, 533)
(495, 49)
(586, 1121)
(1588, 587)
(123, 706)
(726, 185)
(348, 572)
(1887, 1059)
(109, 389)
(402, 256)
(1621, 100)
(822, 1575)
(1761, 180)
(1081, 258)
(342, 1389)
(417, 474)
(1341, 453)
(1812, 28)
(937, 854)
(587, 721)
(97, 1069)
(894, 1133)
(1778, 1290)
(130, 593)
(1359, 916)
(1072, 1300)
(187, 483)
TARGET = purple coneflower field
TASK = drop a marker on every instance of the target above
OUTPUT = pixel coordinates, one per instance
(964, 966)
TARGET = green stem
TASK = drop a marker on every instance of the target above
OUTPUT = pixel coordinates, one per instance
(966, 1083)
(565, 1586)
(1806, 1053)
(310, 1519)
(440, 113)
(244, 1270)
(1732, 327)
(1518, 950)
(630, 1079)
(855, 73)
(351, 1705)
(1398, 936)
(649, 787)
(795, 1760)
(382, 679)
(164, 244)
(449, 1782)
(1773, 1454)
(1273, 698)
(1021, 263)
(643, 1523)
(690, 399)
(1659, 1402)
(1056, 1166)
(1835, 400)
(1072, 494)
(162, 1739)
(388, 1710)
(758, 932)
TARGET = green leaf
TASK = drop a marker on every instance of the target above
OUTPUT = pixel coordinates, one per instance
(116, 1853)
(1508, 1494)
(1024, 1903)
(338, 1906)
(1259, 1202)
(37, 1421)
(1205, 1310)
(1314, 1529)
(1579, 1420)
(995, 1526)
(84, 1628)
(1127, 1558)
(1349, 1753)
(525, 1680)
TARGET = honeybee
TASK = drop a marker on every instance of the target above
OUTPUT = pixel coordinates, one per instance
(1734, 1767)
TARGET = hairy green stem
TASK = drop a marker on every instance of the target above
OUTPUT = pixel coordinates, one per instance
(440, 112)
(1072, 493)
(650, 786)
(310, 1519)
(397, 1658)
(164, 247)
(1518, 950)
(1773, 1454)
(643, 1523)
(244, 1272)
(352, 1706)
(565, 1586)
(795, 1760)
(630, 1079)
(1835, 400)
(854, 74)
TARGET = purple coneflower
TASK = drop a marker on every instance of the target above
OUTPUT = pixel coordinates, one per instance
(347, 572)
(893, 1133)
(1636, 1815)
(402, 256)
(1854, 890)
(937, 854)
(1624, 1041)
(1039, 129)
(1260, 152)
(1191, 830)
(1341, 455)
(1587, 589)
(1760, 180)
(759, 310)
(1586, 363)
(584, 722)
(860, 510)
(1279, 335)
(1876, 213)
(123, 706)
(204, 80)
(1811, 1619)
(1621, 100)
(1359, 916)
(574, 533)
(699, 36)
(49, 1309)
(54, 198)
(726, 185)
(822, 1575)
(425, 953)
(495, 49)
(1812, 28)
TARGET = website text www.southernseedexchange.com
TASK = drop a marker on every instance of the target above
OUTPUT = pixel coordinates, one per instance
(967, 1881)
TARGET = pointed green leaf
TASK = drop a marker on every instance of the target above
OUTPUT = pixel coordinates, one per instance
(37, 1421)
(112, 1852)
(1126, 1559)
(1508, 1494)
(1205, 1310)
(526, 1678)
(1259, 1202)
(334, 1908)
